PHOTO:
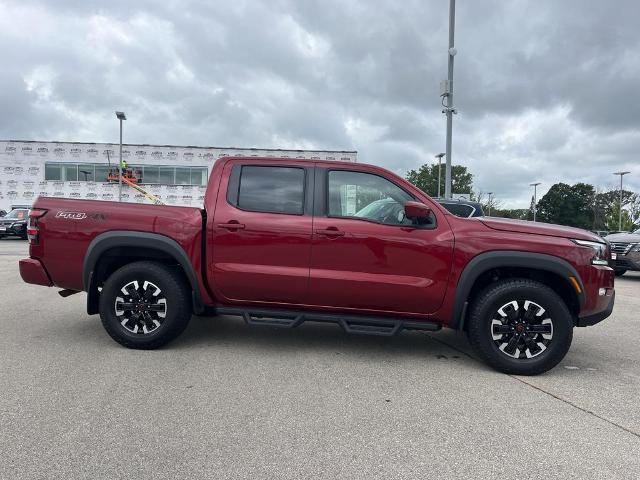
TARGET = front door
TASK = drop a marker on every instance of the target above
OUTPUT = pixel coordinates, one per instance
(262, 233)
(367, 256)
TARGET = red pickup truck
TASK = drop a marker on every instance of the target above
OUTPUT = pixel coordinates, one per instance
(281, 241)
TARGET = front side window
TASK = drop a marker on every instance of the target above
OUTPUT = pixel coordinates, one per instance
(271, 189)
(367, 197)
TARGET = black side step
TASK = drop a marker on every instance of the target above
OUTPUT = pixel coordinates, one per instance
(351, 324)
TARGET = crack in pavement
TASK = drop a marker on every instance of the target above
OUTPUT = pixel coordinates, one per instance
(540, 389)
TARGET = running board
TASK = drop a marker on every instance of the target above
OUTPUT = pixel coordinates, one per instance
(351, 324)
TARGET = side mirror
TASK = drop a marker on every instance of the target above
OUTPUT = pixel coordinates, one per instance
(416, 210)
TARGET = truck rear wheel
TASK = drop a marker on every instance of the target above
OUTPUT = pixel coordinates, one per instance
(144, 305)
(520, 326)
(619, 271)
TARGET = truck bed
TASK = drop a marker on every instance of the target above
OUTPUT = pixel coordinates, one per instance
(69, 226)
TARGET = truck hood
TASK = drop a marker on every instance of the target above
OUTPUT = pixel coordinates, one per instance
(537, 228)
(624, 237)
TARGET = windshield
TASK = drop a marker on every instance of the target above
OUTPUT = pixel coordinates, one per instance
(18, 214)
(637, 231)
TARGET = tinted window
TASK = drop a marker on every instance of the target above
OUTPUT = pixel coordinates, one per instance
(271, 189)
(366, 196)
(459, 209)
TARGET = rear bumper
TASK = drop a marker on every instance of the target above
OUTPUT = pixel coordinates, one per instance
(598, 316)
(32, 271)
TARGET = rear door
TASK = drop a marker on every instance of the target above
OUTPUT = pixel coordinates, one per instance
(262, 233)
(366, 255)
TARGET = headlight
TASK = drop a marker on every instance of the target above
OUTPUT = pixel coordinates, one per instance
(600, 251)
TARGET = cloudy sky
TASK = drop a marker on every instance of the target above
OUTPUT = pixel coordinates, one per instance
(547, 90)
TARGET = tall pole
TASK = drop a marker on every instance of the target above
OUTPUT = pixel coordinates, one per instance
(489, 204)
(535, 198)
(120, 166)
(439, 157)
(120, 116)
(622, 174)
(450, 110)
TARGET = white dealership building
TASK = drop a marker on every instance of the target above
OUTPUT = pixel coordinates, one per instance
(177, 175)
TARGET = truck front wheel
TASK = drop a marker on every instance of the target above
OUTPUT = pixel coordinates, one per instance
(144, 305)
(520, 326)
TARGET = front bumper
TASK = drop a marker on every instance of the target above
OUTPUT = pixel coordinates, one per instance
(630, 261)
(19, 230)
(594, 318)
(32, 271)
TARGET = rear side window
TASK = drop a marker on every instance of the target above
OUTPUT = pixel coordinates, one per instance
(271, 189)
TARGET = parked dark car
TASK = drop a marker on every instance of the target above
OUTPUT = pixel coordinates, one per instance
(625, 251)
(461, 208)
(15, 223)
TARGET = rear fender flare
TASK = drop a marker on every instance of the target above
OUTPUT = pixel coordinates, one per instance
(113, 239)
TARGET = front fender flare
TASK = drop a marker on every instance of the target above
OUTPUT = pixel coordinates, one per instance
(507, 258)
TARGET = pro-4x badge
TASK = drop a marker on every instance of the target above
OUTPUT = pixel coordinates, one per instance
(72, 215)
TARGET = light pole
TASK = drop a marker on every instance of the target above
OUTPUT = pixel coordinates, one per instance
(622, 174)
(535, 198)
(489, 203)
(121, 116)
(446, 91)
(439, 157)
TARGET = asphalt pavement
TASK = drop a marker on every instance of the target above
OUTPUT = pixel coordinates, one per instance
(229, 401)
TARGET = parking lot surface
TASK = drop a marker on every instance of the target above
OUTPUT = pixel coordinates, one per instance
(231, 401)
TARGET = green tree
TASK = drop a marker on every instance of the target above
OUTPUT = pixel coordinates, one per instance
(613, 219)
(515, 213)
(606, 202)
(426, 179)
(570, 205)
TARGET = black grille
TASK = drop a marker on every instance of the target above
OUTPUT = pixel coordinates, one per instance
(621, 248)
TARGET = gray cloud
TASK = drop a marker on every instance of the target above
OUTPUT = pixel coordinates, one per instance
(546, 90)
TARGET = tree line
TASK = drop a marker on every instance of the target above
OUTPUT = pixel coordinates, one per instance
(580, 205)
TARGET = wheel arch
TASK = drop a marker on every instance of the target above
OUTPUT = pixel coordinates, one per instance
(491, 266)
(111, 250)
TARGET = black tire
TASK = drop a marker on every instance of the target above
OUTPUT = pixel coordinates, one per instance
(125, 318)
(619, 271)
(494, 307)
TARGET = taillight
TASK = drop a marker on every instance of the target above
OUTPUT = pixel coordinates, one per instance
(32, 226)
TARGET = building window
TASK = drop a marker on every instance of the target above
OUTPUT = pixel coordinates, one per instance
(53, 171)
(86, 173)
(70, 172)
(147, 174)
(167, 175)
(150, 174)
(183, 176)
